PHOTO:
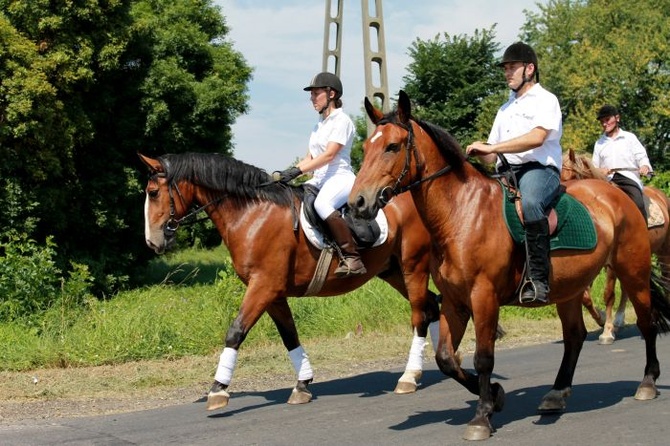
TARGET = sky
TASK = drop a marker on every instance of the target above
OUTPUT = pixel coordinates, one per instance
(282, 40)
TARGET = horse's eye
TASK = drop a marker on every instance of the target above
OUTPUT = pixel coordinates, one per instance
(153, 193)
(393, 147)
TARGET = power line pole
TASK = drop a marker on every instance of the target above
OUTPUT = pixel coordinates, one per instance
(374, 60)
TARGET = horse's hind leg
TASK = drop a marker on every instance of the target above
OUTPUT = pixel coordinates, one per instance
(281, 315)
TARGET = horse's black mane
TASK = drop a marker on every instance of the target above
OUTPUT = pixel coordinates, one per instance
(227, 176)
(447, 144)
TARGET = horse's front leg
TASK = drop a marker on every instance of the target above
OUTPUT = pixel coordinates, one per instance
(280, 312)
(425, 318)
(574, 334)
(491, 395)
(597, 315)
(249, 313)
(608, 335)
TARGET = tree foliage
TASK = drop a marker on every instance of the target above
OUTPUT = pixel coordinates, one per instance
(450, 78)
(595, 52)
(84, 86)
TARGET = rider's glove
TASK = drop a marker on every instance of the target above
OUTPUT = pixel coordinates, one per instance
(285, 176)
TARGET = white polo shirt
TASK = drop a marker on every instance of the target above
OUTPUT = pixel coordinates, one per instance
(337, 127)
(622, 151)
(519, 115)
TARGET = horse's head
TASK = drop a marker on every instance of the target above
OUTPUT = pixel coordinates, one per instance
(387, 160)
(578, 167)
(161, 211)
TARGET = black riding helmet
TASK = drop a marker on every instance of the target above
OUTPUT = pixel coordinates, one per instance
(521, 52)
(606, 111)
(326, 80)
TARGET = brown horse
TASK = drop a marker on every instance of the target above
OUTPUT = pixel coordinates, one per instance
(577, 166)
(257, 220)
(477, 265)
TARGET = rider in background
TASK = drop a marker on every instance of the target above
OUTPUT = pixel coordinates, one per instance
(329, 158)
(621, 156)
(527, 132)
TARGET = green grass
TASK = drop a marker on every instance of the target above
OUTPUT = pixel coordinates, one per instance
(192, 300)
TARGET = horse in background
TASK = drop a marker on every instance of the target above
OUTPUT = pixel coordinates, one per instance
(257, 219)
(478, 266)
(579, 166)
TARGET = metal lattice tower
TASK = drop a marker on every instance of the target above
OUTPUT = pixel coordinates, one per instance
(374, 60)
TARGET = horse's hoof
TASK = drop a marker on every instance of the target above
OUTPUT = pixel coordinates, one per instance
(477, 432)
(217, 400)
(300, 397)
(408, 382)
(646, 392)
(606, 340)
(554, 401)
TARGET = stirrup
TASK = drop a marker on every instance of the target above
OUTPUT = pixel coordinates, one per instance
(346, 269)
(533, 292)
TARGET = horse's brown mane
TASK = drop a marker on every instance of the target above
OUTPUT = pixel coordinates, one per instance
(226, 175)
(582, 167)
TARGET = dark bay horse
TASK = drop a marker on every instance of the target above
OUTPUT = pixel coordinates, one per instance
(477, 265)
(580, 166)
(257, 220)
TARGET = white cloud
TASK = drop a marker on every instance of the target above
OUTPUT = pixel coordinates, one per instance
(283, 41)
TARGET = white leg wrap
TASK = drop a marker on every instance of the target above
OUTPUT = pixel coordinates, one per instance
(227, 361)
(415, 361)
(301, 363)
(434, 329)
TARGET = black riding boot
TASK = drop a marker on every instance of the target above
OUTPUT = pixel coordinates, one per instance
(350, 263)
(538, 265)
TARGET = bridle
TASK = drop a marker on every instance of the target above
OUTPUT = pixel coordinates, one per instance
(172, 224)
(387, 193)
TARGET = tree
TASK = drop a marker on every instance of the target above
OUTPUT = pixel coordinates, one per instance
(84, 86)
(450, 79)
(595, 52)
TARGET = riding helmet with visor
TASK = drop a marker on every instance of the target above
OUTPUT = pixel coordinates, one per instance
(326, 80)
(521, 52)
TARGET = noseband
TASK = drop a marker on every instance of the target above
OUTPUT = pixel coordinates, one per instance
(389, 192)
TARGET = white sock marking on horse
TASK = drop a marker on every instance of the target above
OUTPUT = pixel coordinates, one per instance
(301, 363)
(227, 361)
(415, 361)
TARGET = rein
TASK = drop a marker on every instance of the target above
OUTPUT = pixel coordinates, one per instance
(391, 192)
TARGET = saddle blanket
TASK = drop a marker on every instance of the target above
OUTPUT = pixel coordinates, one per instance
(316, 238)
(575, 229)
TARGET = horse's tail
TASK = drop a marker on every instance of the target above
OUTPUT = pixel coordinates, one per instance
(660, 302)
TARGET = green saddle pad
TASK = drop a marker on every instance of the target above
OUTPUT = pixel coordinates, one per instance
(574, 230)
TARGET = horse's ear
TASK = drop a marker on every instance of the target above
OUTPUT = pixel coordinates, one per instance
(153, 164)
(404, 107)
(571, 155)
(374, 114)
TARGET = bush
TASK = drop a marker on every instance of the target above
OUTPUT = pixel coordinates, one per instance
(29, 277)
(30, 282)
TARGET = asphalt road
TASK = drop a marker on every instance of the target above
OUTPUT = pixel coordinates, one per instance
(362, 410)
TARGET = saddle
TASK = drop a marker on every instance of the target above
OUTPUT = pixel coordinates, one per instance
(655, 215)
(570, 224)
(366, 233)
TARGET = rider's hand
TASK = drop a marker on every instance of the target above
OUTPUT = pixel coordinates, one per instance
(285, 176)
